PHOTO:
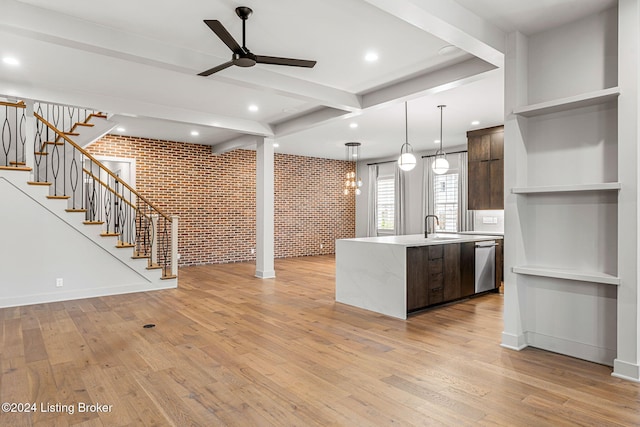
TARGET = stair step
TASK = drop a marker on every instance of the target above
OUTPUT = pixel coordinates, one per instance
(140, 256)
(41, 153)
(98, 115)
(170, 276)
(93, 222)
(54, 143)
(17, 163)
(154, 267)
(59, 197)
(121, 245)
(84, 124)
(38, 183)
(71, 133)
(76, 210)
(15, 168)
(109, 234)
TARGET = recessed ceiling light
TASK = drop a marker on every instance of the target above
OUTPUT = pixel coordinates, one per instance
(448, 50)
(475, 122)
(371, 57)
(10, 61)
(253, 108)
(195, 133)
(437, 141)
(120, 129)
(276, 145)
(353, 125)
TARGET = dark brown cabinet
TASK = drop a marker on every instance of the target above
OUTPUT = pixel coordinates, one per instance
(439, 273)
(486, 168)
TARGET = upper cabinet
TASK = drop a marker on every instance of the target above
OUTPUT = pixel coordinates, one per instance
(486, 168)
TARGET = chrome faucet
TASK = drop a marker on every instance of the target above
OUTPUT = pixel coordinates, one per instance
(426, 224)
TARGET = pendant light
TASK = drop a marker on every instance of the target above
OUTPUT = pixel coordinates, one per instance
(353, 182)
(440, 164)
(407, 160)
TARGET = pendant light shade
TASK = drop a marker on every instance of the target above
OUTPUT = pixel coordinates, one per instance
(440, 164)
(407, 159)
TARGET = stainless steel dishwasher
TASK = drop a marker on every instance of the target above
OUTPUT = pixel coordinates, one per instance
(485, 266)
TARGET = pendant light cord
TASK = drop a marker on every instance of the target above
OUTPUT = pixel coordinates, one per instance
(440, 151)
(406, 124)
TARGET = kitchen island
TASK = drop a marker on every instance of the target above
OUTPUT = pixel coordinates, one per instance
(395, 275)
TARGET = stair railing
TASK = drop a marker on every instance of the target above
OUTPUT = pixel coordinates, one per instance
(75, 175)
(13, 137)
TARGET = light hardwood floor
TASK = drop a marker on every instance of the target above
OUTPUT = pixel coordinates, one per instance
(230, 349)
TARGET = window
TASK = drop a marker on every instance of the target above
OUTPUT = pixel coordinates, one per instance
(385, 206)
(445, 198)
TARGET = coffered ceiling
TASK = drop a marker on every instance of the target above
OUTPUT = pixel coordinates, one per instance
(139, 61)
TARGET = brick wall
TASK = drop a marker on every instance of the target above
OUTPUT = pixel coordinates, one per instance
(214, 197)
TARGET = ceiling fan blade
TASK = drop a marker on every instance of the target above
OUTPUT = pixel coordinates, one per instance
(224, 35)
(284, 61)
(216, 69)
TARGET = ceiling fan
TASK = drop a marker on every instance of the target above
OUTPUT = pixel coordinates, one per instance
(242, 56)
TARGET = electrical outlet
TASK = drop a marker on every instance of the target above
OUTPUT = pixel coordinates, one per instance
(178, 256)
(253, 251)
(321, 246)
(59, 282)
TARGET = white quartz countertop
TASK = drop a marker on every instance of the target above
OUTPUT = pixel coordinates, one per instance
(419, 239)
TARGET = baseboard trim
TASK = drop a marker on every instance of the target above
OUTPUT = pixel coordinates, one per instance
(626, 371)
(265, 274)
(513, 342)
(601, 355)
(86, 293)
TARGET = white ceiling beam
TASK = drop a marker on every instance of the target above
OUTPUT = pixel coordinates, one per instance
(452, 23)
(36, 23)
(133, 108)
(244, 141)
(310, 120)
(269, 81)
(429, 83)
(425, 84)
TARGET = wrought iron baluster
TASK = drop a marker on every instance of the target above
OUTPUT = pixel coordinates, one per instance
(164, 248)
(6, 136)
(37, 148)
(117, 207)
(107, 206)
(73, 177)
(23, 134)
(55, 167)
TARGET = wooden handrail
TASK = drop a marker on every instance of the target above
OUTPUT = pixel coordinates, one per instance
(19, 104)
(93, 159)
(108, 187)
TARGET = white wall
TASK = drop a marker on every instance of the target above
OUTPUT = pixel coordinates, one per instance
(39, 247)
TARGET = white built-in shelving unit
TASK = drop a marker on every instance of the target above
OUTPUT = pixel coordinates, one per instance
(562, 188)
(576, 106)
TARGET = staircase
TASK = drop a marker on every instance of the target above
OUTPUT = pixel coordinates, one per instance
(66, 217)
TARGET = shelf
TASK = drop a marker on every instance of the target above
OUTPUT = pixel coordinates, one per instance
(605, 186)
(583, 276)
(564, 104)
